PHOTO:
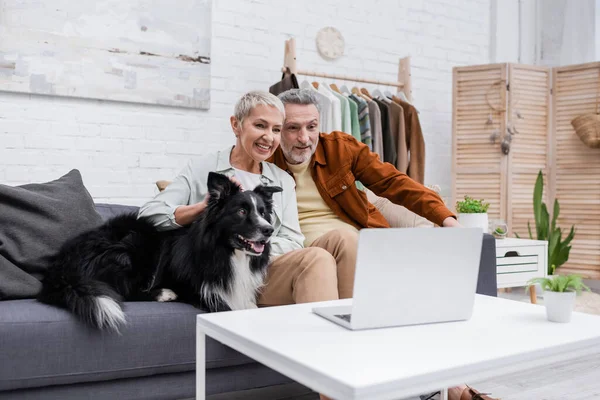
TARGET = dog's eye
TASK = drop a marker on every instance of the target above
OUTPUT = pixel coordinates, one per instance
(242, 211)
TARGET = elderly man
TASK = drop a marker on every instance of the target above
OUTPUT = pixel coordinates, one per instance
(330, 206)
(326, 167)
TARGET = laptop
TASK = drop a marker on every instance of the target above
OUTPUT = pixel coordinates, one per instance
(409, 276)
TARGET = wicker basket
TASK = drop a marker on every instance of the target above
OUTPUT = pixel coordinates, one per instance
(587, 127)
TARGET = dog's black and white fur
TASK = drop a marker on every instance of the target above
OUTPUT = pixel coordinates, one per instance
(217, 263)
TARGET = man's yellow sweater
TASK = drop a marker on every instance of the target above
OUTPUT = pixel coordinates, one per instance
(316, 218)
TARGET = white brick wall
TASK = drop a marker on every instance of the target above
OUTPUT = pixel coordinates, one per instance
(122, 149)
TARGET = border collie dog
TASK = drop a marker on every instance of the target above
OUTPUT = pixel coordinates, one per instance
(217, 263)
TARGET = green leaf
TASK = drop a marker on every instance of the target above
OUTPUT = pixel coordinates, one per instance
(553, 246)
(561, 283)
(570, 236)
(537, 199)
(555, 213)
(562, 256)
(543, 228)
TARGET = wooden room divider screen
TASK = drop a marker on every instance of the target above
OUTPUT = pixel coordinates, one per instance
(508, 124)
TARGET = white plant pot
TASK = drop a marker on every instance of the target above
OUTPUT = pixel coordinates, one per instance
(559, 305)
(474, 220)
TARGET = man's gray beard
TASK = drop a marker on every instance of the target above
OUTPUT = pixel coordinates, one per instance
(294, 159)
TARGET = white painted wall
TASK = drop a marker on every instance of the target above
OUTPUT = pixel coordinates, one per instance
(122, 149)
(504, 31)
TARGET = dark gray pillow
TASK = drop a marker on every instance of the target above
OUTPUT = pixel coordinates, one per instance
(35, 220)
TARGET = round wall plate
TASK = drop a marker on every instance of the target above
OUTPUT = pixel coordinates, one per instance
(330, 43)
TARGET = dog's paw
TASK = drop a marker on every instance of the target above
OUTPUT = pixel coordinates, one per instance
(166, 295)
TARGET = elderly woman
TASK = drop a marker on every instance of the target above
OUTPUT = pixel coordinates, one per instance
(294, 272)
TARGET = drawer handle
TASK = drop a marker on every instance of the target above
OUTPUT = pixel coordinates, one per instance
(511, 253)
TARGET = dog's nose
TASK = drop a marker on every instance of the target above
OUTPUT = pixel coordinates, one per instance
(266, 230)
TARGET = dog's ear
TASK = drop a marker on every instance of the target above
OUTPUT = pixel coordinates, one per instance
(220, 186)
(267, 191)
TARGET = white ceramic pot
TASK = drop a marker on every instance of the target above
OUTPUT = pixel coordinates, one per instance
(559, 305)
(474, 220)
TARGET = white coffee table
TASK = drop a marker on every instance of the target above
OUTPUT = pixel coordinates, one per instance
(503, 336)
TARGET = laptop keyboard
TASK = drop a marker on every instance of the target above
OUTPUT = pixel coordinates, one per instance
(345, 317)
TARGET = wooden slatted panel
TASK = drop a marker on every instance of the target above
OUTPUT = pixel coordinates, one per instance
(576, 169)
(529, 96)
(477, 163)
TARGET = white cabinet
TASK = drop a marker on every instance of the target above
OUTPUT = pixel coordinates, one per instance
(519, 260)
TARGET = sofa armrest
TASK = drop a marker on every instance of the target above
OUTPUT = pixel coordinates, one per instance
(486, 283)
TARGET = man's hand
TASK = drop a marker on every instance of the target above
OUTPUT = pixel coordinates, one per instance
(450, 222)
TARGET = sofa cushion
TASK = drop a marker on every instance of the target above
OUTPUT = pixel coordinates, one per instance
(35, 220)
(107, 211)
(44, 345)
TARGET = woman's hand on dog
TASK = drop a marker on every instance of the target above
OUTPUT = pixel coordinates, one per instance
(185, 215)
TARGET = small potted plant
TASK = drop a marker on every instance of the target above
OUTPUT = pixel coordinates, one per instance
(559, 295)
(499, 229)
(473, 213)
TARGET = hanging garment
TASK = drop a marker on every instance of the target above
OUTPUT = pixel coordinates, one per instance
(344, 108)
(354, 119)
(376, 128)
(398, 130)
(364, 120)
(336, 108)
(389, 150)
(325, 112)
(288, 81)
(414, 142)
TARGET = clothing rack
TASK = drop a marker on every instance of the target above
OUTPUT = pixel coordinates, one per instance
(403, 83)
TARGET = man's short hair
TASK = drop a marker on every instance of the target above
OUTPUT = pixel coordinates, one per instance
(299, 96)
(250, 100)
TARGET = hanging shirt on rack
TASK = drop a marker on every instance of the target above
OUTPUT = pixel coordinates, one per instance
(414, 141)
(389, 151)
(376, 128)
(398, 131)
(355, 125)
(364, 120)
(336, 108)
(344, 108)
(346, 114)
(325, 112)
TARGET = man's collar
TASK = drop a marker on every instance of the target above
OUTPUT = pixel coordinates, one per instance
(319, 156)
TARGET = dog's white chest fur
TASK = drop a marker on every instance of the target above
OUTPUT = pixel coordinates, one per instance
(244, 285)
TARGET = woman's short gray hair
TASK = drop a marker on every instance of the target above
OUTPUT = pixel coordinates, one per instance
(299, 96)
(250, 100)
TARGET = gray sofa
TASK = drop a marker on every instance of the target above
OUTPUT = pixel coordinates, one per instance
(46, 353)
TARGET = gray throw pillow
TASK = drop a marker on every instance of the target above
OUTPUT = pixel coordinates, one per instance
(35, 220)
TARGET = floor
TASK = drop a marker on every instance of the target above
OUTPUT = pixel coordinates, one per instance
(577, 379)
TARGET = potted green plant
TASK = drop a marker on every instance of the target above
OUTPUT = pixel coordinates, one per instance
(559, 295)
(472, 213)
(546, 228)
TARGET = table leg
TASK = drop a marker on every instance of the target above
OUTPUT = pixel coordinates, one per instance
(200, 365)
(532, 294)
(444, 394)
